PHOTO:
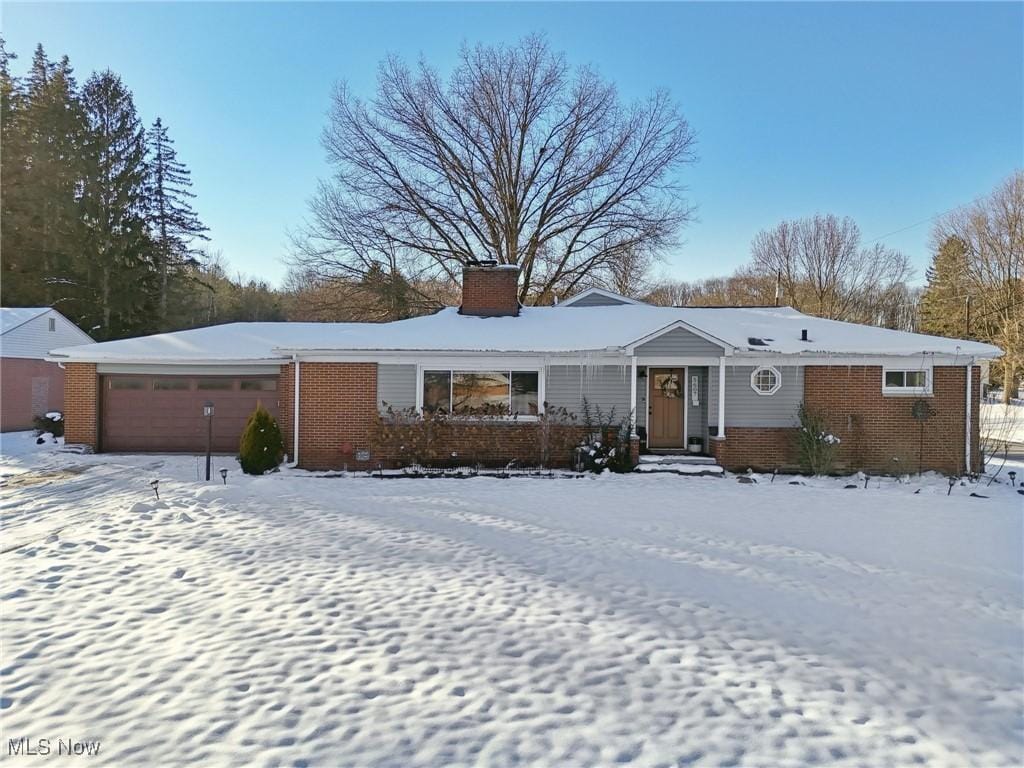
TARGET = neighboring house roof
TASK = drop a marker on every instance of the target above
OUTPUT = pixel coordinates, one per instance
(31, 332)
(540, 330)
(594, 297)
(12, 317)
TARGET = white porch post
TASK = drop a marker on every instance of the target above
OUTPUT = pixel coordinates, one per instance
(632, 395)
(295, 413)
(967, 419)
(721, 398)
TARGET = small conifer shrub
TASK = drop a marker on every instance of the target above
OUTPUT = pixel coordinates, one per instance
(262, 447)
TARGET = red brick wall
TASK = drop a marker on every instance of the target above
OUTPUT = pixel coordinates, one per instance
(286, 405)
(759, 448)
(490, 291)
(337, 407)
(81, 404)
(489, 443)
(28, 388)
(873, 428)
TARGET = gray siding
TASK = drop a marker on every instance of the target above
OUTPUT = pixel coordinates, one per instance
(745, 408)
(696, 415)
(604, 386)
(396, 386)
(597, 300)
(679, 342)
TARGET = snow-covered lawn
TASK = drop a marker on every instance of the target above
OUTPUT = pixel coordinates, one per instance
(1003, 422)
(646, 619)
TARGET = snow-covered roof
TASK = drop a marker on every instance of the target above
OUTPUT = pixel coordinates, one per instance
(543, 330)
(12, 317)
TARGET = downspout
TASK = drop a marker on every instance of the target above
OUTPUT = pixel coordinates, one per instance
(721, 398)
(295, 412)
(967, 418)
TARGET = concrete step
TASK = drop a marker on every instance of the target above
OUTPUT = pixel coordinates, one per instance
(679, 468)
(675, 458)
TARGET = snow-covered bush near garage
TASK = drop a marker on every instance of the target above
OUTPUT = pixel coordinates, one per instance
(261, 448)
(51, 422)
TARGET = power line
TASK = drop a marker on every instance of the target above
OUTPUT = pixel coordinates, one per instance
(926, 221)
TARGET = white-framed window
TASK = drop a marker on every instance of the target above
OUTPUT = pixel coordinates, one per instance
(469, 393)
(52, 324)
(765, 380)
(907, 381)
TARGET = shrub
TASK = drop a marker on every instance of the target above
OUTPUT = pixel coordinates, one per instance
(52, 422)
(606, 444)
(262, 447)
(816, 443)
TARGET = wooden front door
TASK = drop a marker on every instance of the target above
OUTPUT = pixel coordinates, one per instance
(667, 398)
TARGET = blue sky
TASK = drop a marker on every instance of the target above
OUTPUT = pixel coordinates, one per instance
(889, 113)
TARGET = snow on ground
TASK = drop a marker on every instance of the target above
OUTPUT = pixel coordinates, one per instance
(646, 619)
(1003, 422)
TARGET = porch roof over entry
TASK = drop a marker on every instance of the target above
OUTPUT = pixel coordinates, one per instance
(540, 330)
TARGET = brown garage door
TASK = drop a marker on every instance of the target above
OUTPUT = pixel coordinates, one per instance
(165, 413)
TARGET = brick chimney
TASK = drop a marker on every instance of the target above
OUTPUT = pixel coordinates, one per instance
(490, 289)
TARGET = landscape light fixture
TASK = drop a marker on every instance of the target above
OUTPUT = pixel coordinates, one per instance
(224, 476)
(208, 413)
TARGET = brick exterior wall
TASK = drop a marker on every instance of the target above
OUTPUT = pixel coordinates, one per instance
(81, 404)
(488, 443)
(28, 388)
(873, 428)
(759, 448)
(490, 291)
(286, 405)
(337, 408)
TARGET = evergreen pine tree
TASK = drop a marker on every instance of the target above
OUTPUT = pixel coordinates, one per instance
(173, 224)
(122, 269)
(261, 447)
(42, 146)
(943, 303)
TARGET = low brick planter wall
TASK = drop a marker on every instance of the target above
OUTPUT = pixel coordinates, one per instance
(487, 443)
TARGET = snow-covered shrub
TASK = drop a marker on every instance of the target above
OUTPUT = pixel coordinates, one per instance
(52, 422)
(816, 442)
(262, 447)
(606, 444)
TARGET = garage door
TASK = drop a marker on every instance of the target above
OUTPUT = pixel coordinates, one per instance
(165, 413)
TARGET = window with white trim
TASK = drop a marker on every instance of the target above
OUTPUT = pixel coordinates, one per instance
(766, 380)
(482, 393)
(906, 381)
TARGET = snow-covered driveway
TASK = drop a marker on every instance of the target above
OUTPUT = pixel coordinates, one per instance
(646, 620)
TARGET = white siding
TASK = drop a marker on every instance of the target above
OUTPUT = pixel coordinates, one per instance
(34, 339)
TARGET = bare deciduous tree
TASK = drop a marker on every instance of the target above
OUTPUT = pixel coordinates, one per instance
(992, 233)
(824, 270)
(516, 158)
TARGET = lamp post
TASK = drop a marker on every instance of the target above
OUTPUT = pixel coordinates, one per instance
(208, 413)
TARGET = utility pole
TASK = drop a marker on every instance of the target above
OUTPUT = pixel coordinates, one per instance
(967, 313)
(778, 286)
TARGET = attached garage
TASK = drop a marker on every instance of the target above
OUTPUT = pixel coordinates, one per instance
(164, 414)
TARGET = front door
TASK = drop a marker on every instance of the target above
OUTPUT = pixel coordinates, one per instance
(667, 399)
